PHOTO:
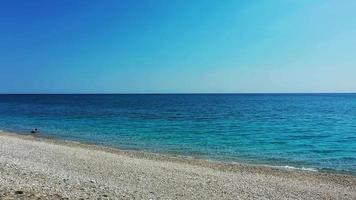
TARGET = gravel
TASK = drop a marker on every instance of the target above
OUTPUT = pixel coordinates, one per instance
(38, 168)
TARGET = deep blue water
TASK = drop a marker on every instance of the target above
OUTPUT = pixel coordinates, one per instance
(300, 130)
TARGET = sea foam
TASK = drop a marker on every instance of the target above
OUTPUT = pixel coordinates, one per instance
(299, 168)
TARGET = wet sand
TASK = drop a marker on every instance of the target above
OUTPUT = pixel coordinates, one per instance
(38, 168)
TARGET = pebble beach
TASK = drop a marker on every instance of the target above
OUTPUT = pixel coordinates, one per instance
(39, 168)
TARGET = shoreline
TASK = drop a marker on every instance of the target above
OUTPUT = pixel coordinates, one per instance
(175, 157)
(217, 164)
(259, 175)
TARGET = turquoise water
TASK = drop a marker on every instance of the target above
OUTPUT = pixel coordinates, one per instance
(300, 130)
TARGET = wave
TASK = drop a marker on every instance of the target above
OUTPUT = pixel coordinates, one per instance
(287, 167)
(298, 168)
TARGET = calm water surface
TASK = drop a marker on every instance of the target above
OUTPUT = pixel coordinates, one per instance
(301, 130)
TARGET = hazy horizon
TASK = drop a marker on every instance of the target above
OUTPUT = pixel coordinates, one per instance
(168, 47)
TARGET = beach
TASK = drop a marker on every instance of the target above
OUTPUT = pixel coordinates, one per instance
(39, 168)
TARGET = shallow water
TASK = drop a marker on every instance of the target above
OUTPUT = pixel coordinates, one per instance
(297, 130)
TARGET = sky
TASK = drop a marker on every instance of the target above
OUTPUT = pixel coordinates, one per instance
(177, 46)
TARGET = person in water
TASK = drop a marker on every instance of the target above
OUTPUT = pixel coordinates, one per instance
(34, 131)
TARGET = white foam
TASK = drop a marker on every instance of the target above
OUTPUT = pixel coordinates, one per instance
(283, 167)
(299, 168)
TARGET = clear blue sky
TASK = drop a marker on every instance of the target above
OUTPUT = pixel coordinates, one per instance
(70, 46)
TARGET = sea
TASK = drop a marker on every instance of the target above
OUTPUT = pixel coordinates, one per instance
(299, 131)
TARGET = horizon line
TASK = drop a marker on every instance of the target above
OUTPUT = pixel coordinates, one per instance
(174, 93)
